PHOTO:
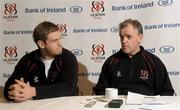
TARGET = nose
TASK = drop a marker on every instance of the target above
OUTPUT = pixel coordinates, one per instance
(123, 39)
(59, 42)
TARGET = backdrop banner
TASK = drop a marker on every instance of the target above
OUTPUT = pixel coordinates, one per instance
(90, 30)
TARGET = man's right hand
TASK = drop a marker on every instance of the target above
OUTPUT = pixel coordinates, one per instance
(20, 91)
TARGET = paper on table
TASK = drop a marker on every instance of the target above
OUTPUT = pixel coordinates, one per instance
(150, 107)
(139, 99)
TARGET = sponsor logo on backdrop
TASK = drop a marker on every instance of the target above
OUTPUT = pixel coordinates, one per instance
(89, 30)
(63, 29)
(10, 12)
(44, 10)
(10, 54)
(98, 53)
(17, 32)
(167, 49)
(89, 74)
(161, 26)
(5, 75)
(136, 6)
(151, 50)
(165, 2)
(27, 52)
(175, 73)
(76, 9)
(114, 51)
(98, 50)
(77, 52)
(115, 29)
(97, 9)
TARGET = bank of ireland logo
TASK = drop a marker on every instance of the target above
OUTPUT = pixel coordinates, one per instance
(77, 52)
(10, 54)
(115, 29)
(76, 9)
(167, 49)
(151, 50)
(97, 9)
(165, 2)
(6, 75)
(63, 29)
(10, 11)
(98, 53)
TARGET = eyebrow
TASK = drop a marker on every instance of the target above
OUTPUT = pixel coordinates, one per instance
(125, 35)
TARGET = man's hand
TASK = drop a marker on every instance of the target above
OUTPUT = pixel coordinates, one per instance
(20, 91)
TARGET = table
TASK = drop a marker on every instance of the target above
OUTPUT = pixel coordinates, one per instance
(61, 103)
(78, 102)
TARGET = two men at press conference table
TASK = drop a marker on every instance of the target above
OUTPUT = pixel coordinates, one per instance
(51, 70)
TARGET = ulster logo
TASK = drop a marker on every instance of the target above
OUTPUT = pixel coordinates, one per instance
(10, 54)
(10, 12)
(10, 9)
(62, 29)
(10, 51)
(98, 53)
(98, 50)
(97, 9)
(97, 6)
(144, 75)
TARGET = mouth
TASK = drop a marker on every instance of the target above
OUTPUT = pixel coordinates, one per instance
(124, 47)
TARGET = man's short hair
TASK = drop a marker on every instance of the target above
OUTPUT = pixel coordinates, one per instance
(135, 23)
(42, 30)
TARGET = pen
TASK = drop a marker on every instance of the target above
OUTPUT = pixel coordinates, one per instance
(149, 97)
(145, 108)
(154, 103)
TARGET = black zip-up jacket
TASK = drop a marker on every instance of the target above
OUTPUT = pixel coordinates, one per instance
(62, 75)
(144, 73)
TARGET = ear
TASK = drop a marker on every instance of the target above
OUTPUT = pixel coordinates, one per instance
(140, 38)
(41, 44)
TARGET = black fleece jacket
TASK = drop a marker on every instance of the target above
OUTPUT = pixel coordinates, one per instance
(144, 73)
(62, 75)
